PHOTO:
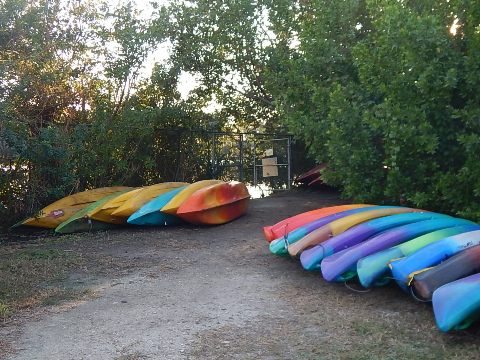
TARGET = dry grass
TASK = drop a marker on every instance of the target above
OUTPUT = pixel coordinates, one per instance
(31, 276)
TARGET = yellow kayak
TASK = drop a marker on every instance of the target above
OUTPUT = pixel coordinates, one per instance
(56, 213)
(172, 206)
(341, 225)
(145, 195)
(104, 213)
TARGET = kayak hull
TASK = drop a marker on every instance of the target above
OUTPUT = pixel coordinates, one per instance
(56, 213)
(457, 305)
(218, 215)
(431, 255)
(150, 215)
(343, 265)
(339, 226)
(216, 204)
(311, 258)
(174, 204)
(287, 225)
(374, 270)
(145, 195)
(104, 213)
(80, 222)
(279, 246)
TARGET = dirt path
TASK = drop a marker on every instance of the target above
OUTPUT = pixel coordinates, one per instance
(217, 293)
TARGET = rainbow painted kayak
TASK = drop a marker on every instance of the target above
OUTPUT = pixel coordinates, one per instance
(431, 255)
(311, 258)
(285, 226)
(143, 196)
(374, 270)
(150, 215)
(342, 265)
(279, 246)
(457, 305)
(463, 264)
(339, 226)
(80, 222)
(61, 210)
(172, 206)
(215, 204)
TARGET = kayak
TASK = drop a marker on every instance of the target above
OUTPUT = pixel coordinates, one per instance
(150, 215)
(172, 206)
(463, 264)
(342, 265)
(104, 213)
(431, 255)
(457, 305)
(374, 269)
(56, 213)
(279, 246)
(80, 222)
(215, 204)
(311, 258)
(287, 225)
(339, 226)
(145, 195)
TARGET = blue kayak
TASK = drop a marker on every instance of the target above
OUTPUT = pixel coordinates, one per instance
(150, 215)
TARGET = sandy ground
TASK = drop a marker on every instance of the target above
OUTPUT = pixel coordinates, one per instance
(217, 293)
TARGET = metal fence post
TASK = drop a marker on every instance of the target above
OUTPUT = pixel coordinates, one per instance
(289, 161)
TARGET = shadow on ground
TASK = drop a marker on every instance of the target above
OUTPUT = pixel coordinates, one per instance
(215, 293)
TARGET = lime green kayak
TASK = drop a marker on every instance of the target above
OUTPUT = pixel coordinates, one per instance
(79, 222)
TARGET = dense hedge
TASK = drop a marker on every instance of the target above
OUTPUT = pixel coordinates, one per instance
(387, 92)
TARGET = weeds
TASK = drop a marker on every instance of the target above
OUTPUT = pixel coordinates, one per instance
(28, 277)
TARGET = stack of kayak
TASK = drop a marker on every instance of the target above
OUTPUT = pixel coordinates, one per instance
(434, 257)
(207, 202)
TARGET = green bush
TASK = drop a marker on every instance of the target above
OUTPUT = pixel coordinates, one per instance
(389, 98)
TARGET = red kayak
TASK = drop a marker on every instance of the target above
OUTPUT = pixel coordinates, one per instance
(285, 226)
(215, 204)
(311, 174)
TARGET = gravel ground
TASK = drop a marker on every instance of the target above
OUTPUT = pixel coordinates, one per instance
(217, 293)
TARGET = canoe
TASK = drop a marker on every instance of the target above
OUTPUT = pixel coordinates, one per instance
(54, 214)
(311, 174)
(80, 222)
(311, 258)
(374, 269)
(431, 255)
(145, 195)
(104, 213)
(215, 204)
(339, 226)
(150, 215)
(463, 264)
(343, 265)
(457, 305)
(279, 246)
(172, 206)
(287, 225)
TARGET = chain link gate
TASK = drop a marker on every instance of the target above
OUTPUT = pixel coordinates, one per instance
(262, 161)
(272, 163)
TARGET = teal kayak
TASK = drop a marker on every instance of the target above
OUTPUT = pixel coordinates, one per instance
(150, 215)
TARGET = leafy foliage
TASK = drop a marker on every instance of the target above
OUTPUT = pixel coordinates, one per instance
(384, 91)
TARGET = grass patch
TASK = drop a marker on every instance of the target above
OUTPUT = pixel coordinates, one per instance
(28, 277)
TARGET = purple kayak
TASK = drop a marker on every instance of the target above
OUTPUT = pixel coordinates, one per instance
(279, 246)
(311, 258)
(342, 265)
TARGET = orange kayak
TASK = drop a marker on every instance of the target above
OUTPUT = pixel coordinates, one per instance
(285, 226)
(215, 204)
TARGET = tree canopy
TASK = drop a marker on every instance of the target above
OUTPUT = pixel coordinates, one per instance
(383, 91)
